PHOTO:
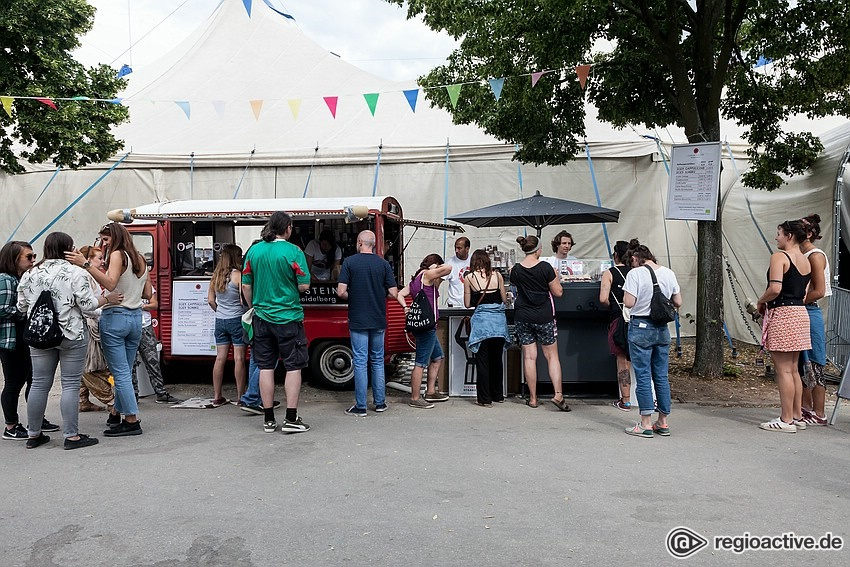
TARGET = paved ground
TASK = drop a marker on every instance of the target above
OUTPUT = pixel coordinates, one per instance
(458, 485)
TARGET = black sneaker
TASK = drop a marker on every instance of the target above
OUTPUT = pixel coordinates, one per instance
(124, 429)
(269, 426)
(167, 399)
(380, 408)
(17, 433)
(47, 426)
(114, 420)
(258, 409)
(34, 442)
(83, 441)
(296, 426)
(356, 411)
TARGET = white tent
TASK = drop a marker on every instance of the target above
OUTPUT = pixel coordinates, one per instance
(240, 108)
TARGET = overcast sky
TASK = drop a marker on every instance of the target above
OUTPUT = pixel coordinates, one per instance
(371, 34)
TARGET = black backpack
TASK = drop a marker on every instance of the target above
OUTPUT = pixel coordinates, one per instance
(43, 330)
(661, 309)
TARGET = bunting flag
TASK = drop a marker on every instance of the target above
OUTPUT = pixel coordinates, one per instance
(411, 95)
(582, 71)
(331, 102)
(284, 14)
(124, 70)
(496, 86)
(372, 101)
(536, 77)
(219, 106)
(256, 107)
(116, 100)
(80, 98)
(454, 92)
(185, 107)
(47, 102)
(762, 61)
(7, 104)
(247, 6)
(294, 107)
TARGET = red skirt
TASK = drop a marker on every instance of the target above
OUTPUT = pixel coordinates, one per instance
(786, 329)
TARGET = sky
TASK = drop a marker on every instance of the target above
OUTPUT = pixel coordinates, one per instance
(371, 34)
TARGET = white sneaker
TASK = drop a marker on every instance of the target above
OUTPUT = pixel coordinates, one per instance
(799, 423)
(776, 424)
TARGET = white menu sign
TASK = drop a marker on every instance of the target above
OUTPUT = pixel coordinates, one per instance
(192, 319)
(694, 187)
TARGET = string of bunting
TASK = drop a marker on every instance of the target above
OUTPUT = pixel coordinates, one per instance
(332, 102)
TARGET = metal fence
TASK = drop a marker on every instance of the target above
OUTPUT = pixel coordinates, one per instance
(838, 328)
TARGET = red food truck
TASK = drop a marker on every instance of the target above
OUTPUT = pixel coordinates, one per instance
(182, 240)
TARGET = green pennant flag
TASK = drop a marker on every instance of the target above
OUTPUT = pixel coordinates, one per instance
(372, 101)
(454, 92)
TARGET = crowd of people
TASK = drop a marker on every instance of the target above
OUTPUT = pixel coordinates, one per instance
(103, 297)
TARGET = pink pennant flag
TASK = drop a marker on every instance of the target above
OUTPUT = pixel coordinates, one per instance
(331, 102)
(536, 77)
(47, 101)
(256, 107)
(582, 71)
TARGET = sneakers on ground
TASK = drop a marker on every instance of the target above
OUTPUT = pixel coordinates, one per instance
(47, 426)
(83, 441)
(269, 426)
(356, 411)
(776, 424)
(814, 419)
(621, 405)
(436, 397)
(380, 408)
(419, 403)
(167, 399)
(17, 433)
(801, 425)
(124, 429)
(34, 442)
(807, 413)
(258, 409)
(114, 420)
(296, 426)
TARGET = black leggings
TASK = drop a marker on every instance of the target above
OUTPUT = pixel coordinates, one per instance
(17, 371)
(489, 374)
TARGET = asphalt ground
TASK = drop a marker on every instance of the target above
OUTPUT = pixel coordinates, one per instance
(458, 484)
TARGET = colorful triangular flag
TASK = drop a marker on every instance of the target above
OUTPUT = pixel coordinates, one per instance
(219, 106)
(454, 92)
(536, 77)
(247, 6)
(256, 107)
(7, 104)
(582, 71)
(47, 102)
(124, 70)
(331, 102)
(116, 100)
(411, 95)
(185, 107)
(372, 101)
(496, 86)
(762, 61)
(294, 107)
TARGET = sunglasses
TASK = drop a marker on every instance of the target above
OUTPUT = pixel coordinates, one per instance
(30, 256)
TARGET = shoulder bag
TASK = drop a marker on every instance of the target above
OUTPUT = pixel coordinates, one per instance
(661, 309)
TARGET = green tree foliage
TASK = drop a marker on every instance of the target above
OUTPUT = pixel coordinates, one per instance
(36, 38)
(664, 62)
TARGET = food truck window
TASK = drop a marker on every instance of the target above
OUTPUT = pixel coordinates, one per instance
(143, 241)
(392, 248)
(192, 248)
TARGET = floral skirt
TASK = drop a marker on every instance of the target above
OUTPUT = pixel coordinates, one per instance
(786, 329)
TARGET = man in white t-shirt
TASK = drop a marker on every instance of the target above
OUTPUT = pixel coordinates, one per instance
(562, 261)
(460, 265)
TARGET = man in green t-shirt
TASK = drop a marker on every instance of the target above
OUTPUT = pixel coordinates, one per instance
(274, 275)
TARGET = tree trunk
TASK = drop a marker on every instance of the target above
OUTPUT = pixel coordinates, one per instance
(708, 361)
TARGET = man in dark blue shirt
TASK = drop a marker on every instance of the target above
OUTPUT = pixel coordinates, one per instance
(365, 280)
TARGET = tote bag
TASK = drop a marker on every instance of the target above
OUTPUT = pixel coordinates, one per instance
(420, 316)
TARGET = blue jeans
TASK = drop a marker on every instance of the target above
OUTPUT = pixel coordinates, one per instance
(649, 348)
(428, 348)
(368, 349)
(120, 334)
(817, 332)
(251, 397)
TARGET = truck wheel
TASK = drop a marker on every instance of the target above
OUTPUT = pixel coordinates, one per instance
(332, 366)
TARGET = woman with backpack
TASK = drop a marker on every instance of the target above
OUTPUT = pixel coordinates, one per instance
(68, 296)
(611, 294)
(649, 339)
(121, 323)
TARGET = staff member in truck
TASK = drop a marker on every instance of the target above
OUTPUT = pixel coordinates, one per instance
(275, 274)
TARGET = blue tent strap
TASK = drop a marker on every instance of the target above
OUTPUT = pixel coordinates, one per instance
(747, 198)
(23, 218)
(377, 169)
(192, 175)
(446, 197)
(518, 171)
(310, 173)
(247, 165)
(78, 199)
(596, 190)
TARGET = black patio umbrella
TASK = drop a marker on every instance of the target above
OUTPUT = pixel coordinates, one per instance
(537, 212)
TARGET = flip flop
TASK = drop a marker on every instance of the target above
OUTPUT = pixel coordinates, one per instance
(529, 404)
(562, 405)
(638, 431)
(663, 431)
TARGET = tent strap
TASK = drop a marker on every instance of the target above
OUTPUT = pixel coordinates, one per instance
(377, 169)
(596, 190)
(247, 165)
(310, 173)
(52, 177)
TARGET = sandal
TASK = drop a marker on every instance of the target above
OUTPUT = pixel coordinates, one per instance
(562, 404)
(529, 404)
(663, 431)
(483, 405)
(638, 431)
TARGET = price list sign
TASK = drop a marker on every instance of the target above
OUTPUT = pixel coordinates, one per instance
(694, 187)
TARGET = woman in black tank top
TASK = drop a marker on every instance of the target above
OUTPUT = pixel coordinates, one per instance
(611, 294)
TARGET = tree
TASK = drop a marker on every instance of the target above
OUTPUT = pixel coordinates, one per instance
(37, 38)
(674, 62)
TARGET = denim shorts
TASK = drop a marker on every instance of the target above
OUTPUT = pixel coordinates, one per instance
(229, 332)
(428, 348)
(530, 333)
(817, 332)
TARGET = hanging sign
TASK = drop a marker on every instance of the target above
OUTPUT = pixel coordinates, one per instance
(694, 186)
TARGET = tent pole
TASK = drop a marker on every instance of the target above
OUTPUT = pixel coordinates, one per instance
(836, 224)
(52, 177)
(377, 169)
(310, 173)
(192, 175)
(247, 165)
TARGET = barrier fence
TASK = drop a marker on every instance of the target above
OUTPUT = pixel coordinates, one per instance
(838, 328)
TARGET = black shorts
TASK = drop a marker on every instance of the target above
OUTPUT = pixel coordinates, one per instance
(273, 341)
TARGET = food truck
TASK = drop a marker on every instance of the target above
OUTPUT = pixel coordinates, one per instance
(182, 240)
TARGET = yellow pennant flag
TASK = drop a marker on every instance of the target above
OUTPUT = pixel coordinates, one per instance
(294, 107)
(256, 107)
(7, 104)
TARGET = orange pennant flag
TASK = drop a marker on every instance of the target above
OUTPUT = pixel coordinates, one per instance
(256, 107)
(47, 101)
(582, 71)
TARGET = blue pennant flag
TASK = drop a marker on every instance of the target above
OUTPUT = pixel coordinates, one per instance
(762, 61)
(496, 86)
(247, 6)
(124, 70)
(411, 96)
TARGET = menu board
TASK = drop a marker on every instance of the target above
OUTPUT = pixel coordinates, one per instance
(694, 186)
(192, 319)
